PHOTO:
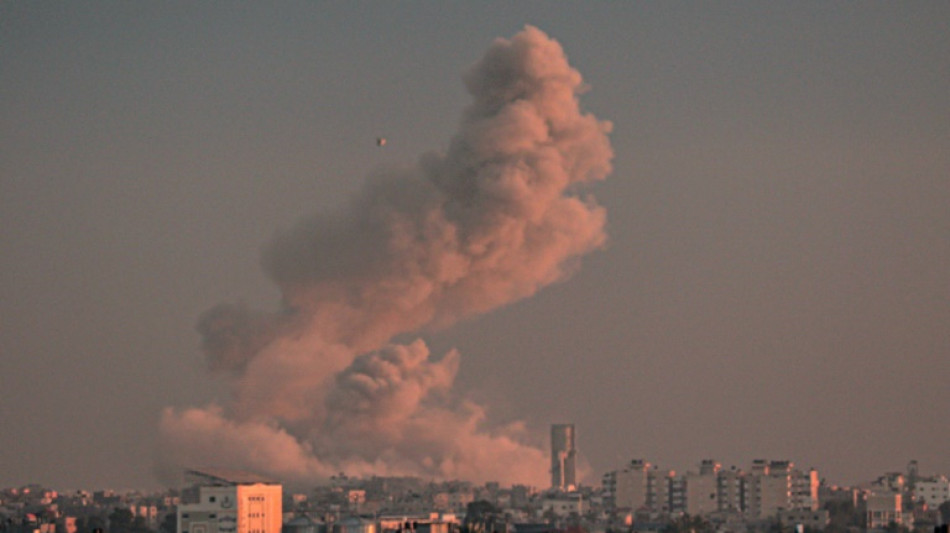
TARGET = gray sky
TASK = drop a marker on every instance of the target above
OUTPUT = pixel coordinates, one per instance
(776, 278)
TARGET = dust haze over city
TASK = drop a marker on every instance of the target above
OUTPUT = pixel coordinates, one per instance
(691, 230)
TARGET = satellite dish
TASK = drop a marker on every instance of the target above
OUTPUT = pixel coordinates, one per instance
(380, 141)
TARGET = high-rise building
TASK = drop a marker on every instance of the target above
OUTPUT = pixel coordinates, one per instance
(804, 490)
(563, 457)
(772, 486)
(640, 486)
(767, 488)
(630, 487)
(730, 486)
(702, 489)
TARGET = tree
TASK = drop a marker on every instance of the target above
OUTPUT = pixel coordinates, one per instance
(842, 516)
(169, 523)
(139, 525)
(945, 512)
(480, 517)
(689, 524)
(120, 520)
(893, 527)
(89, 524)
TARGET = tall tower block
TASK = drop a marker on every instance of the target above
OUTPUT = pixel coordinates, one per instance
(563, 457)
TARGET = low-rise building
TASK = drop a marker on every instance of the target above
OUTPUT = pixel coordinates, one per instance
(815, 520)
(565, 504)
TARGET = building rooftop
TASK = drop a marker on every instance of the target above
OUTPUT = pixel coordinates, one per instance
(224, 477)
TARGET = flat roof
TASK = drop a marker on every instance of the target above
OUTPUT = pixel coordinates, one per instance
(224, 476)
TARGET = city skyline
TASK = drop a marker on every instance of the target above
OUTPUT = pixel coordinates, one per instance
(638, 498)
(768, 277)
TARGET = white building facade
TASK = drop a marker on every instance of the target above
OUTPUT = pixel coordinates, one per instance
(933, 492)
(221, 501)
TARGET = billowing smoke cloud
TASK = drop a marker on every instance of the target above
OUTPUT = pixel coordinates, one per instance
(318, 387)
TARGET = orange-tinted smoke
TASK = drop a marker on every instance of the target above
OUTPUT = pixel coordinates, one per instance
(317, 387)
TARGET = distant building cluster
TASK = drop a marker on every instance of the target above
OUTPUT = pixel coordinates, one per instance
(768, 489)
(770, 496)
(36, 509)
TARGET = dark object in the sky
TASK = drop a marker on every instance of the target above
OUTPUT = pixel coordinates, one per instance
(380, 141)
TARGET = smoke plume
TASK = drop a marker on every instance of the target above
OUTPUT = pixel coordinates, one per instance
(319, 387)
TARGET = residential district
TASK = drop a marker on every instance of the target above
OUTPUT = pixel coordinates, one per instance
(769, 496)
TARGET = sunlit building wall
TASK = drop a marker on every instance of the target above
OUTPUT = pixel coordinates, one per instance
(768, 488)
(804, 492)
(220, 501)
(882, 509)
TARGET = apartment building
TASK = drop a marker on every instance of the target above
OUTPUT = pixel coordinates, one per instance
(228, 501)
